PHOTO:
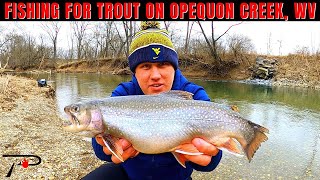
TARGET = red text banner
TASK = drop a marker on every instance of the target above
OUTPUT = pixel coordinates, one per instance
(160, 10)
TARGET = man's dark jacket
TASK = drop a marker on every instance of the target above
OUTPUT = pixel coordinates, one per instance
(160, 166)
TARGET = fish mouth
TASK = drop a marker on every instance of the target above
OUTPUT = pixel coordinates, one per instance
(73, 124)
(73, 120)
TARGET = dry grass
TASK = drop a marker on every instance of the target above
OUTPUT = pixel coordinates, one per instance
(302, 68)
(4, 84)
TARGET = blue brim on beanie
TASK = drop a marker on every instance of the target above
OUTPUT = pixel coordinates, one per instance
(153, 53)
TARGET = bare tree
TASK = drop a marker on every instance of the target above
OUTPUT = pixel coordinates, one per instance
(79, 30)
(212, 47)
(239, 45)
(107, 38)
(125, 40)
(4, 49)
(69, 54)
(52, 29)
(4, 67)
(189, 29)
(121, 41)
(88, 49)
(213, 44)
(128, 29)
(169, 25)
(23, 51)
(98, 39)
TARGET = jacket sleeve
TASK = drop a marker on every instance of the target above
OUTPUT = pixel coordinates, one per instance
(200, 94)
(97, 148)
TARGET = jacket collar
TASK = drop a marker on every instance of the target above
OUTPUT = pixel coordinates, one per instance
(178, 82)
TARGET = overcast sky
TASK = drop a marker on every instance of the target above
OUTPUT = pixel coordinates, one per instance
(290, 35)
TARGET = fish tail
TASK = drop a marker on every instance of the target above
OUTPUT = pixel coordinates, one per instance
(259, 137)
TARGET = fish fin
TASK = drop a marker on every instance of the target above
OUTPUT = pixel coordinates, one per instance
(228, 145)
(180, 158)
(259, 137)
(234, 108)
(231, 146)
(179, 94)
(231, 152)
(114, 147)
(188, 149)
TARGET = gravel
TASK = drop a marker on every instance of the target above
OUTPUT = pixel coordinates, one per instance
(30, 124)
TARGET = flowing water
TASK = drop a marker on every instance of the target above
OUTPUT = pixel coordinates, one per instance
(291, 114)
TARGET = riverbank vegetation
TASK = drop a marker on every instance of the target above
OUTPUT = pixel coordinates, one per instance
(104, 47)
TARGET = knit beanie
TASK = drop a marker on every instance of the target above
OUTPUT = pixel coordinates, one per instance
(151, 44)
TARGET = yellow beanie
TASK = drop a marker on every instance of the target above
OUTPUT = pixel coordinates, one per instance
(151, 44)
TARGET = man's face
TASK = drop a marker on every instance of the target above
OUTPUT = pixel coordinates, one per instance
(154, 78)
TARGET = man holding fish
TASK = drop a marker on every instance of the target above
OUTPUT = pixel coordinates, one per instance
(159, 125)
(154, 63)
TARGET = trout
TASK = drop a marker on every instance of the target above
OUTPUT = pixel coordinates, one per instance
(161, 123)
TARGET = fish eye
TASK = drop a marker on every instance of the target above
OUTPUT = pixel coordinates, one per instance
(76, 108)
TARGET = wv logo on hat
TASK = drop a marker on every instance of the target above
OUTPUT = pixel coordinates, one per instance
(156, 52)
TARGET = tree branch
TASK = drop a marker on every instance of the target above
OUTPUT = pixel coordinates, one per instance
(228, 30)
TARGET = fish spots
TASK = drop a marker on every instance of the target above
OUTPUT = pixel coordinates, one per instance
(156, 124)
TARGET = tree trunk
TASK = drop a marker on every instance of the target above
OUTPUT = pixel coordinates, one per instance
(186, 46)
(212, 47)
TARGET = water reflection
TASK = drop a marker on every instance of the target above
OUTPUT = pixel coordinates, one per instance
(75, 87)
(291, 114)
(301, 98)
(292, 151)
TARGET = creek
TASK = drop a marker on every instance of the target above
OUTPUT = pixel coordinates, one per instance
(292, 116)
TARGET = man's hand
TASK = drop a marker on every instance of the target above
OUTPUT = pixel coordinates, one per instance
(206, 148)
(128, 150)
(201, 145)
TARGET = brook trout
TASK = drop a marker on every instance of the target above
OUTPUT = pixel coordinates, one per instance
(160, 123)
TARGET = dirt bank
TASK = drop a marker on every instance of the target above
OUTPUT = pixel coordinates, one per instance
(292, 70)
(30, 125)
